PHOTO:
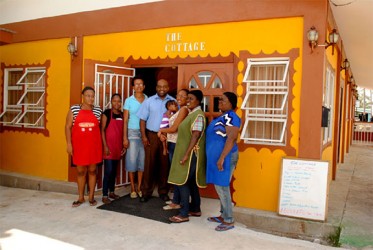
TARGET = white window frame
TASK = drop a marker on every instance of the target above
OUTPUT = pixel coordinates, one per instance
(264, 87)
(21, 107)
(41, 114)
(28, 90)
(328, 101)
(31, 70)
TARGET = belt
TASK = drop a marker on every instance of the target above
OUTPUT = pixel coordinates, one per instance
(150, 131)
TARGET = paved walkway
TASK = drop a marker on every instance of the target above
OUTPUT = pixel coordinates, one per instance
(356, 175)
(31, 219)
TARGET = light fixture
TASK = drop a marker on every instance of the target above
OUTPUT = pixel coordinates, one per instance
(72, 48)
(312, 36)
(351, 79)
(333, 39)
(345, 64)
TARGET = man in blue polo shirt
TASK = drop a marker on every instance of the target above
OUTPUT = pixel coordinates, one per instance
(156, 167)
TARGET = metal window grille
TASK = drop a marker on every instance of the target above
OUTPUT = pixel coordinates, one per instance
(24, 97)
(266, 101)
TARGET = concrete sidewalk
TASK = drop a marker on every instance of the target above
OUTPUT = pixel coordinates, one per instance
(31, 219)
(356, 175)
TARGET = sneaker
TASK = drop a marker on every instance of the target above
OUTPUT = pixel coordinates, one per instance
(139, 194)
(133, 195)
(106, 200)
(171, 206)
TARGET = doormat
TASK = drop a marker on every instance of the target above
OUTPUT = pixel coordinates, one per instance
(153, 209)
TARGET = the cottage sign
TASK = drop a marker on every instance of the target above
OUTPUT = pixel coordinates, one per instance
(175, 43)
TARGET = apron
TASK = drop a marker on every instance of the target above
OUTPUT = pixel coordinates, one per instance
(114, 138)
(86, 139)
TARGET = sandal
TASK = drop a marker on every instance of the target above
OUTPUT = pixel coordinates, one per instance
(93, 202)
(195, 214)
(77, 203)
(217, 219)
(178, 219)
(224, 227)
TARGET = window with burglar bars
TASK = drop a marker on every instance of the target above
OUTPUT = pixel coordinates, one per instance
(24, 97)
(266, 101)
(328, 101)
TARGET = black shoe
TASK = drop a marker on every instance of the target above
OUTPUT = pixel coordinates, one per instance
(144, 199)
(164, 197)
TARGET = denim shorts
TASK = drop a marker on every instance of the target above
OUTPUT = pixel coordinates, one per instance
(135, 155)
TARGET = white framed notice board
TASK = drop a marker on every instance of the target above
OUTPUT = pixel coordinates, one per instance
(304, 188)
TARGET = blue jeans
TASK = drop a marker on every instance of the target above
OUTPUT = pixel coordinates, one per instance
(190, 188)
(171, 149)
(135, 155)
(226, 207)
(110, 174)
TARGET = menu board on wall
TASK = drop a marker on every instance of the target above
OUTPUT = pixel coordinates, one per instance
(304, 188)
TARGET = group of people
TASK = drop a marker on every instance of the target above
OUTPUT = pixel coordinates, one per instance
(165, 140)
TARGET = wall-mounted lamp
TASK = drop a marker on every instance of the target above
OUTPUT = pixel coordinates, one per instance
(313, 35)
(333, 39)
(72, 48)
(351, 80)
(345, 64)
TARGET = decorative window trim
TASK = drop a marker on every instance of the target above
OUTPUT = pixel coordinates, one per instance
(208, 80)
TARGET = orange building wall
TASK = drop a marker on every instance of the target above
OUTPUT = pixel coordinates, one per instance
(33, 153)
(258, 173)
(257, 176)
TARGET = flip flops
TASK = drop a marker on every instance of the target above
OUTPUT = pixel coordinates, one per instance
(224, 227)
(215, 219)
(77, 203)
(178, 219)
(93, 203)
